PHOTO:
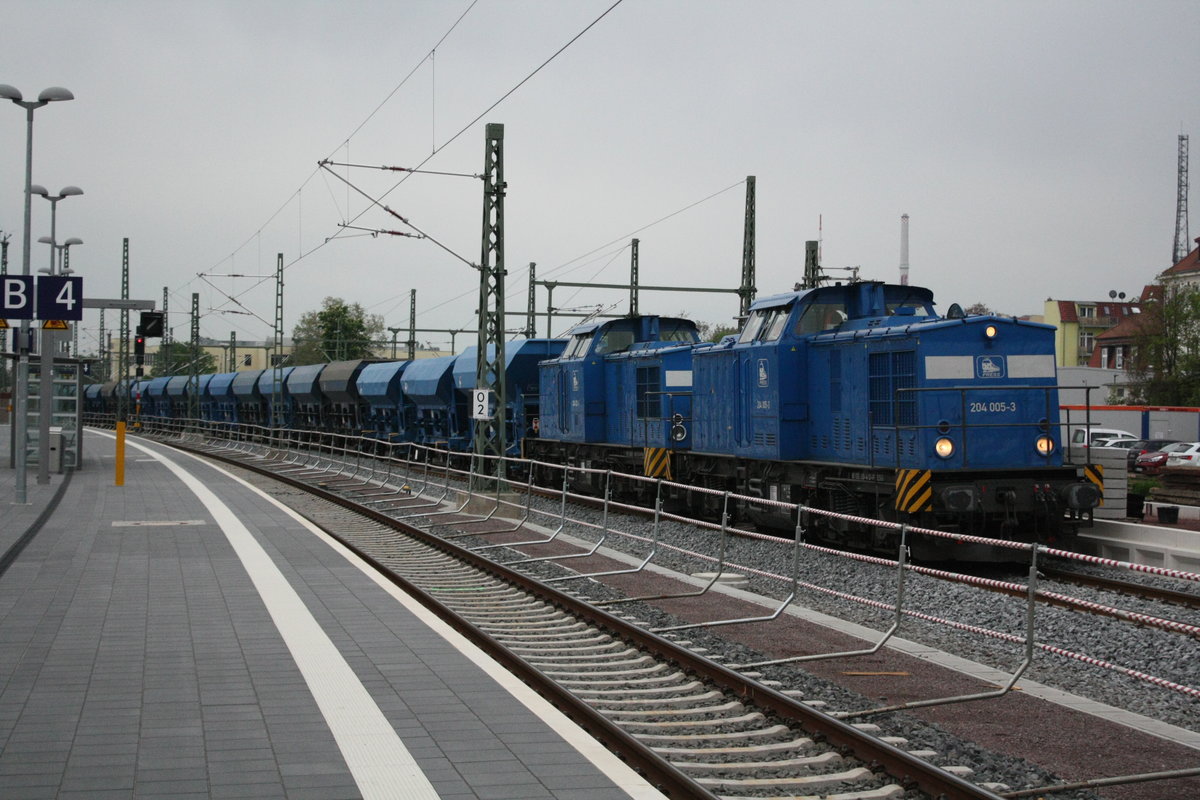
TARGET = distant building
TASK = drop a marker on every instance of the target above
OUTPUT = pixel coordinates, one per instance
(1186, 271)
(1080, 323)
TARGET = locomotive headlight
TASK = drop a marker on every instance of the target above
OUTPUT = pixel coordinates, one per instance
(678, 433)
(1045, 445)
(990, 332)
(944, 447)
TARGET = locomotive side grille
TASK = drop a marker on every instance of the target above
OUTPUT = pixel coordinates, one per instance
(765, 439)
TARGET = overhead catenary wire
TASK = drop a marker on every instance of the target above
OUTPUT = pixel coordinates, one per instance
(305, 254)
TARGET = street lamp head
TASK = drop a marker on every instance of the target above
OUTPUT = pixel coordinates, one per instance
(54, 93)
(70, 191)
(37, 188)
(72, 240)
(45, 240)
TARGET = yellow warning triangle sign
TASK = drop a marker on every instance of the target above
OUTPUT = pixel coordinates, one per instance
(3, 324)
(54, 325)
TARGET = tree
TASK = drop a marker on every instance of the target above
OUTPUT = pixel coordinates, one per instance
(179, 358)
(1166, 351)
(978, 310)
(338, 332)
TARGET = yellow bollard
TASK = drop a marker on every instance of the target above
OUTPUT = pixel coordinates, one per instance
(120, 477)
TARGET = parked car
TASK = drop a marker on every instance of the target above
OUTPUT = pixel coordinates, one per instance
(1147, 446)
(1123, 442)
(1152, 463)
(1187, 455)
(1083, 436)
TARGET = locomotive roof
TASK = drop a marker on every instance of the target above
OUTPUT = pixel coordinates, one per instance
(890, 291)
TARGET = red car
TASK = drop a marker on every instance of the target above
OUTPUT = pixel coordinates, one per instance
(1152, 463)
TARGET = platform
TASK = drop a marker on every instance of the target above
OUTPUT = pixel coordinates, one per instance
(184, 636)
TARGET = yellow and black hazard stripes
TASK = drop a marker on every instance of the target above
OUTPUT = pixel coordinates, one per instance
(914, 491)
(1095, 474)
(657, 463)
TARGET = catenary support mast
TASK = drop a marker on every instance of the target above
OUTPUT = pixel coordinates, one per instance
(123, 386)
(193, 388)
(747, 290)
(490, 437)
(277, 349)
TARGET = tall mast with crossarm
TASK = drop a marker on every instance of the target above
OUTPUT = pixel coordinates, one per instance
(490, 439)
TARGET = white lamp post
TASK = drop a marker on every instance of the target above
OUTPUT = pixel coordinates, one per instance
(20, 423)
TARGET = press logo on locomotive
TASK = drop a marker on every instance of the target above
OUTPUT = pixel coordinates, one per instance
(989, 366)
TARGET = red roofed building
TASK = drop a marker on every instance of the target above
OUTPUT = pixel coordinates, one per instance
(1081, 322)
(1187, 271)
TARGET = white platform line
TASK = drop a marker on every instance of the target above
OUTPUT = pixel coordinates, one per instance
(622, 775)
(380, 763)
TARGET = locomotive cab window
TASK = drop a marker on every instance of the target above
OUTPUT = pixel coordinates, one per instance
(753, 326)
(765, 325)
(681, 331)
(820, 317)
(616, 339)
(578, 345)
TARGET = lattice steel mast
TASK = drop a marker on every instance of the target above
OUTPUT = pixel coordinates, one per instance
(123, 387)
(747, 290)
(277, 349)
(490, 439)
(164, 345)
(412, 324)
(1182, 244)
(633, 278)
(531, 304)
(193, 388)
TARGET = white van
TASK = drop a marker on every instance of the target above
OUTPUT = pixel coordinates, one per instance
(1086, 437)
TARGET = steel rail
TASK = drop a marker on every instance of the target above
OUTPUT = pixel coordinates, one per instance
(906, 768)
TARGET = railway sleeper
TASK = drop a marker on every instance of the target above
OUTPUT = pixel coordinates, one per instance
(805, 762)
(753, 718)
(674, 677)
(888, 792)
(607, 670)
(629, 654)
(774, 732)
(706, 713)
(612, 703)
(532, 628)
(601, 693)
(783, 745)
(558, 636)
(547, 651)
(590, 667)
(827, 780)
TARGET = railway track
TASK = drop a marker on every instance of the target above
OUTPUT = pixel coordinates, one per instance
(693, 726)
(1131, 588)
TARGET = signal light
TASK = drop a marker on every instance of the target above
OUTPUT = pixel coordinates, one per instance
(139, 349)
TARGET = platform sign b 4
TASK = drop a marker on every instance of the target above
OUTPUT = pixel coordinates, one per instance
(60, 297)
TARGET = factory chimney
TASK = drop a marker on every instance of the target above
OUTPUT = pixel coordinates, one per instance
(904, 250)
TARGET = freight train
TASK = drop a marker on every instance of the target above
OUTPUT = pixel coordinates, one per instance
(856, 398)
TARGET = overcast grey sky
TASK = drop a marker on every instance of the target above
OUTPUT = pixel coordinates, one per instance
(1033, 144)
